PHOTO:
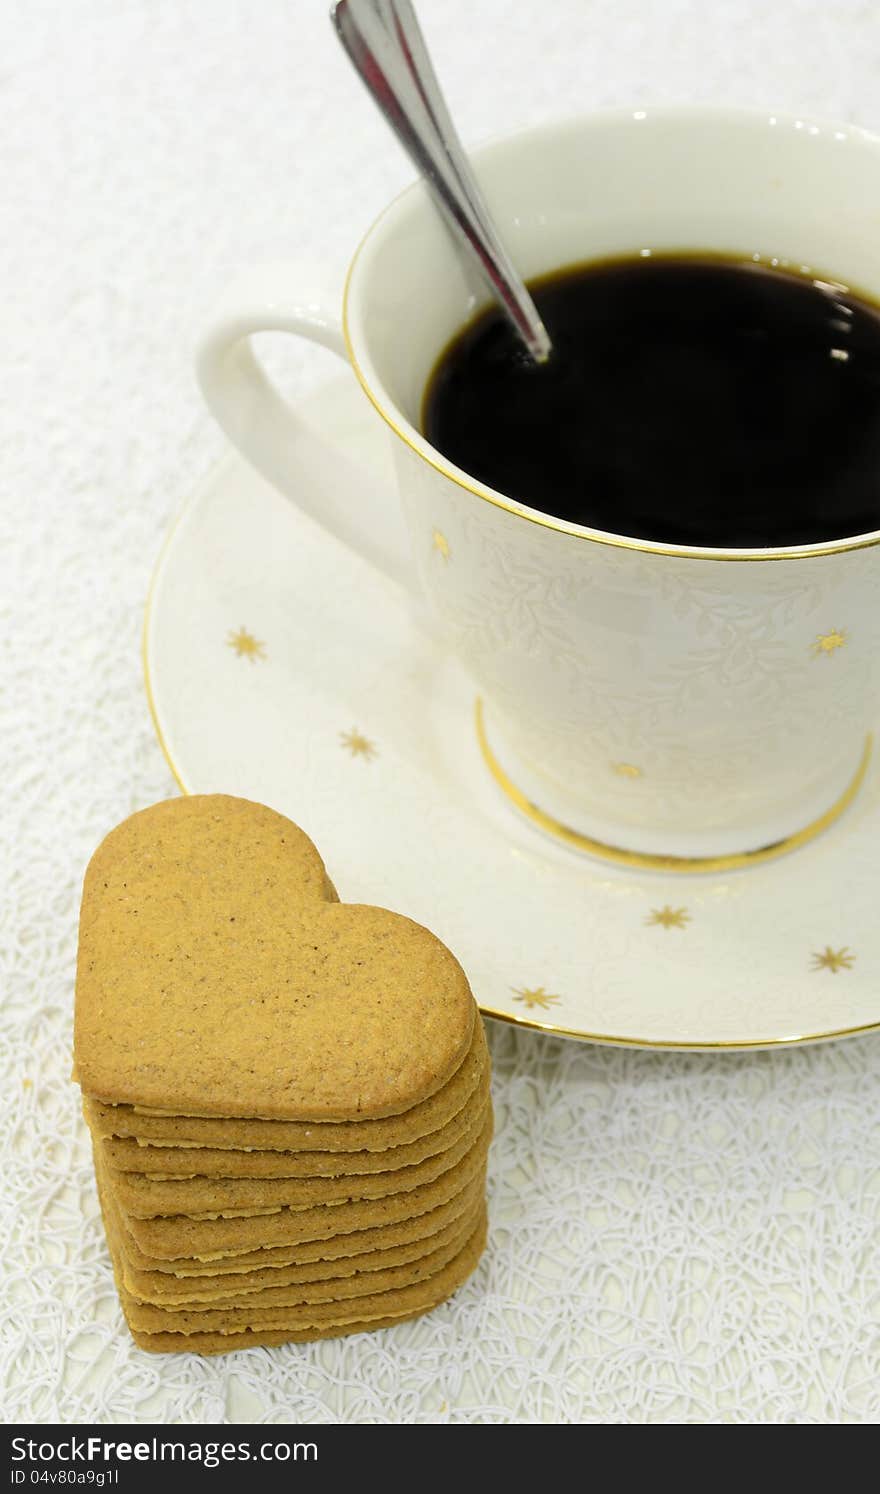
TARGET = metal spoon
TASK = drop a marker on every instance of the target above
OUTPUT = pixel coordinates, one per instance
(386, 46)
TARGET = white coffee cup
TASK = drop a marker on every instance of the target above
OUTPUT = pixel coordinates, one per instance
(659, 705)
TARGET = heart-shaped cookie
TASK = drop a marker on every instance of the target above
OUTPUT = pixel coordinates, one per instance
(218, 974)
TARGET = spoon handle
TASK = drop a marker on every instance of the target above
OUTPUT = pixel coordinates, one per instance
(384, 42)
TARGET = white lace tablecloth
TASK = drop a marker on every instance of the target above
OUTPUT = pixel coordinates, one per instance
(674, 1239)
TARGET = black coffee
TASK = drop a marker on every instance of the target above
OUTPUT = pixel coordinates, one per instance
(698, 400)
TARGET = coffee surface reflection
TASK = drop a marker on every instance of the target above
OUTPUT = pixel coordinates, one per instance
(690, 399)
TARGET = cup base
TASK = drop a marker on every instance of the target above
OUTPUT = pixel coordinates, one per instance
(690, 853)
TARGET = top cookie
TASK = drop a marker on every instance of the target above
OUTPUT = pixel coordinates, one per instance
(218, 973)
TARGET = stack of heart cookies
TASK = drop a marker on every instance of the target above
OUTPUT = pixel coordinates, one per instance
(288, 1096)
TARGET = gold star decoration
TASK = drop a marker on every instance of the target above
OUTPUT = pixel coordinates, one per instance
(669, 918)
(833, 959)
(826, 643)
(626, 770)
(246, 645)
(534, 996)
(440, 543)
(357, 744)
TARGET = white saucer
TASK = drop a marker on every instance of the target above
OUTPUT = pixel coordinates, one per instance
(281, 668)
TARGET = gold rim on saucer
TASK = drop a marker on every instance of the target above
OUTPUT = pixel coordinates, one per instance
(611, 1040)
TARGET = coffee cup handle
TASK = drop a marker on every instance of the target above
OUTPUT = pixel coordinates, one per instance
(265, 428)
